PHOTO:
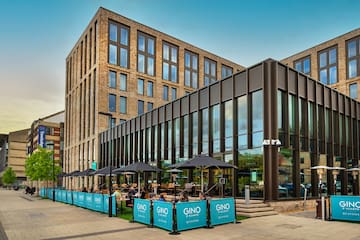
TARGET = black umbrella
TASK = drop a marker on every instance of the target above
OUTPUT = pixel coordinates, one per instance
(203, 161)
(74, 173)
(87, 172)
(104, 171)
(63, 174)
(138, 167)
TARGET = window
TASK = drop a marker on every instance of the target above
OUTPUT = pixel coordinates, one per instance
(328, 65)
(123, 80)
(303, 65)
(215, 127)
(112, 122)
(170, 62)
(123, 104)
(353, 57)
(353, 89)
(165, 93)
(146, 54)
(112, 79)
(140, 107)
(226, 71)
(150, 89)
(257, 118)
(140, 86)
(191, 69)
(112, 103)
(150, 106)
(209, 71)
(173, 93)
(118, 44)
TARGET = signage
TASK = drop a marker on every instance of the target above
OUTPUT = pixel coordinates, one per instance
(142, 210)
(163, 215)
(89, 200)
(41, 136)
(69, 198)
(98, 202)
(190, 215)
(81, 199)
(222, 211)
(345, 208)
(106, 204)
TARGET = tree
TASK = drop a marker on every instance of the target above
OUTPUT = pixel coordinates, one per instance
(9, 176)
(39, 166)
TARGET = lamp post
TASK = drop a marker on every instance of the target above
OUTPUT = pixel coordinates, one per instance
(335, 172)
(354, 172)
(320, 170)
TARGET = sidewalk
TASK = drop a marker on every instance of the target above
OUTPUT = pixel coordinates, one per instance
(31, 218)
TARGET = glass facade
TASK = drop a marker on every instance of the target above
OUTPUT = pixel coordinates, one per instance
(146, 54)
(328, 66)
(118, 44)
(353, 57)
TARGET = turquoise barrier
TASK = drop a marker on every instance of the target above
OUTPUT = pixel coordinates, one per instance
(63, 196)
(75, 198)
(69, 197)
(98, 201)
(222, 211)
(345, 208)
(191, 215)
(106, 205)
(163, 215)
(141, 210)
(89, 202)
(81, 199)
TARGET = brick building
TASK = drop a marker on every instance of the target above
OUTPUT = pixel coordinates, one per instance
(335, 62)
(120, 68)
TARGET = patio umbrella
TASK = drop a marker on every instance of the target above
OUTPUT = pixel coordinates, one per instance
(104, 171)
(202, 162)
(74, 173)
(176, 172)
(138, 168)
(87, 172)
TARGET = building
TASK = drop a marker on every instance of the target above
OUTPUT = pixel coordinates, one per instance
(274, 123)
(120, 68)
(17, 153)
(48, 132)
(335, 62)
(3, 153)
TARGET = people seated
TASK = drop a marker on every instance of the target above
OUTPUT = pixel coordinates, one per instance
(184, 196)
(84, 189)
(162, 197)
(131, 193)
(202, 196)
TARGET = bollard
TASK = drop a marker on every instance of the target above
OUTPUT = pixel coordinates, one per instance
(247, 194)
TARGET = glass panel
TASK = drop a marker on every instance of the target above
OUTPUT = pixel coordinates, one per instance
(150, 66)
(352, 68)
(169, 140)
(113, 32)
(177, 137)
(311, 120)
(352, 48)
(242, 115)
(173, 73)
(165, 71)
(206, 81)
(123, 57)
(194, 83)
(174, 55)
(257, 111)
(353, 90)
(140, 86)
(122, 104)
(205, 130)
(215, 116)
(150, 89)
(165, 93)
(112, 103)
(286, 188)
(141, 63)
(279, 109)
(112, 79)
(323, 59)
(228, 125)
(333, 75)
(187, 78)
(151, 46)
(150, 106)
(112, 54)
(187, 60)
(195, 133)
(124, 36)
(141, 43)
(123, 78)
(298, 66)
(323, 76)
(332, 56)
(242, 142)
(213, 69)
(257, 139)
(173, 93)
(166, 52)
(194, 62)
(306, 64)
(292, 114)
(207, 67)
(140, 107)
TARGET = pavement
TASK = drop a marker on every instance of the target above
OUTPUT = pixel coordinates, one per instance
(30, 218)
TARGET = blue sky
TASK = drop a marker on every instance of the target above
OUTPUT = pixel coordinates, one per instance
(37, 35)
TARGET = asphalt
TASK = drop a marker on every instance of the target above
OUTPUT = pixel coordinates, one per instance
(23, 217)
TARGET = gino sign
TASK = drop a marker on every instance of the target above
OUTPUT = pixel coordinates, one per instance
(345, 208)
(190, 215)
(142, 210)
(222, 211)
(163, 215)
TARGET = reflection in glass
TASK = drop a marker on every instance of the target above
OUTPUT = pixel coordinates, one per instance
(187, 59)
(306, 64)
(215, 117)
(323, 76)
(112, 103)
(113, 32)
(124, 36)
(141, 63)
(123, 58)
(286, 188)
(352, 66)
(141, 43)
(194, 80)
(186, 135)
(123, 78)
(292, 114)
(112, 54)
(150, 66)
(174, 55)
(195, 62)
(228, 125)
(123, 104)
(257, 111)
(352, 48)
(323, 59)
(151, 46)
(187, 78)
(195, 141)
(177, 137)
(353, 90)
(205, 130)
(166, 52)
(333, 75)
(169, 139)
(165, 71)
(173, 73)
(112, 79)
(332, 56)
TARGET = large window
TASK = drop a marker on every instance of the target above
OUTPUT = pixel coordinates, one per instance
(118, 44)
(205, 130)
(353, 57)
(140, 107)
(146, 54)
(353, 90)
(170, 62)
(228, 134)
(112, 103)
(303, 65)
(242, 116)
(226, 71)
(123, 80)
(194, 125)
(140, 86)
(257, 118)
(112, 79)
(328, 65)
(123, 104)
(165, 93)
(209, 71)
(191, 69)
(173, 93)
(215, 128)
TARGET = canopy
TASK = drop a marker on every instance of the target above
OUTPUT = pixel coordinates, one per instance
(138, 167)
(74, 173)
(87, 172)
(203, 161)
(104, 171)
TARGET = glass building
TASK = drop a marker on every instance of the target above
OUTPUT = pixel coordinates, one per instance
(271, 121)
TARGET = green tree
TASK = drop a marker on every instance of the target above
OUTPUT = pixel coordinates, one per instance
(39, 166)
(9, 176)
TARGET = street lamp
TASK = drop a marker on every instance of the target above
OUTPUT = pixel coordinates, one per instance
(320, 170)
(335, 172)
(174, 172)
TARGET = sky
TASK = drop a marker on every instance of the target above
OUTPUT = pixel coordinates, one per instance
(37, 35)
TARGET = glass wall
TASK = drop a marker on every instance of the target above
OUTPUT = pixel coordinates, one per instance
(195, 141)
(215, 129)
(205, 130)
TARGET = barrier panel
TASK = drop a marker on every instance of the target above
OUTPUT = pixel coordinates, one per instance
(222, 211)
(191, 215)
(58, 196)
(42, 192)
(345, 208)
(69, 197)
(63, 196)
(141, 210)
(81, 199)
(50, 193)
(163, 215)
(98, 202)
(75, 198)
(106, 205)
(89, 203)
